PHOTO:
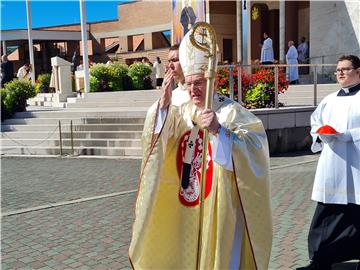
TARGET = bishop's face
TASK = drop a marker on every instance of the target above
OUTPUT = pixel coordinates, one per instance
(346, 74)
(196, 86)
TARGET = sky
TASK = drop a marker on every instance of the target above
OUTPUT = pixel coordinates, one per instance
(53, 12)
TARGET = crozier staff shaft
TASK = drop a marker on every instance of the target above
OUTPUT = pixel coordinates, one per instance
(203, 37)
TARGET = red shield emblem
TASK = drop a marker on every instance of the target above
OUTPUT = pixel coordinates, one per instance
(190, 195)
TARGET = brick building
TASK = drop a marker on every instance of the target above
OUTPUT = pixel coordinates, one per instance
(143, 30)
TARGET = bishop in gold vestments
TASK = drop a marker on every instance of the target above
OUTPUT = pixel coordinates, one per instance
(237, 220)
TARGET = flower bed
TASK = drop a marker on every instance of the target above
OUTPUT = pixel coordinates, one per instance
(258, 89)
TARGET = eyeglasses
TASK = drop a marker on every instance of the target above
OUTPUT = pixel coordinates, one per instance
(197, 84)
(343, 70)
(173, 60)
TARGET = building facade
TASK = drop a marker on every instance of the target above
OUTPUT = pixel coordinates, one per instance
(143, 29)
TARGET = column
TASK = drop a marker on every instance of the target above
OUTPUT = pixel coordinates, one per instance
(282, 31)
(83, 25)
(123, 41)
(3, 47)
(239, 31)
(248, 29)
(148, 43)
(207, 11)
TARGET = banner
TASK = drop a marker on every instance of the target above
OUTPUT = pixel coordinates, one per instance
(185, 14)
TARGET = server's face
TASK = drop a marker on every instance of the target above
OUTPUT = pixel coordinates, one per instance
(346, 74)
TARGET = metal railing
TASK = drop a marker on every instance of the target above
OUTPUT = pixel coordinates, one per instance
(60, 140)
(58, 128)
(71, 138)
(315, 69)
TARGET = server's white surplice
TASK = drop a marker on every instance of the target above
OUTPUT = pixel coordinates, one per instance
(337, 178)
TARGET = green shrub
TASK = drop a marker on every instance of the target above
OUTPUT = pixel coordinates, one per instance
(43, 84)
(17, 92)
(4, 109)
(256, 97)
(117, 77)
(118, 72)
(44, 79)
(109, 77)
(101, 72)
(138, 72)
(103, 75)
(94, 84)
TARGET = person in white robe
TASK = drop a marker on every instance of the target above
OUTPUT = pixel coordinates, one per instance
(292, 72)
(159, 72)
(303, 51)
(24, 72)
(334, 234)
(267, 51)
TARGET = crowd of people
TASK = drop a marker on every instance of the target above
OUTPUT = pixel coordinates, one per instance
(294, 56)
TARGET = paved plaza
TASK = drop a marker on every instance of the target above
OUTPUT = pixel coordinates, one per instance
(77, 213)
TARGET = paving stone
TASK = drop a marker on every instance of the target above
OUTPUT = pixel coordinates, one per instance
(42, 185)
(95, 234)
(26, 260)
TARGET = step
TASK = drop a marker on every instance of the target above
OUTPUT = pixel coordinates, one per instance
(45, 95)
(123, 94)
(41, 98)
(132, 112)
(109, 103)
(72, 99)
(35, 102)
(76, 121)
(78, 134)
(118, 98)
(65, 126)
(46, 103)
(76, 142)
(98, 151)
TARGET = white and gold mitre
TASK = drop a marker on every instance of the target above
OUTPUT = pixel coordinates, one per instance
(192, 60)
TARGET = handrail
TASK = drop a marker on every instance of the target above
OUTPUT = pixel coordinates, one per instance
(60, 139)
(277, 65)
(276, 82)
(276, 92)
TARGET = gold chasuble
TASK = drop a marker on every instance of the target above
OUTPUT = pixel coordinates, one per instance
(237, 230)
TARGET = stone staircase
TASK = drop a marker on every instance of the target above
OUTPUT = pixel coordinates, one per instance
(45, 100)
(111, 123)
(103, 124)
(303, 95)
